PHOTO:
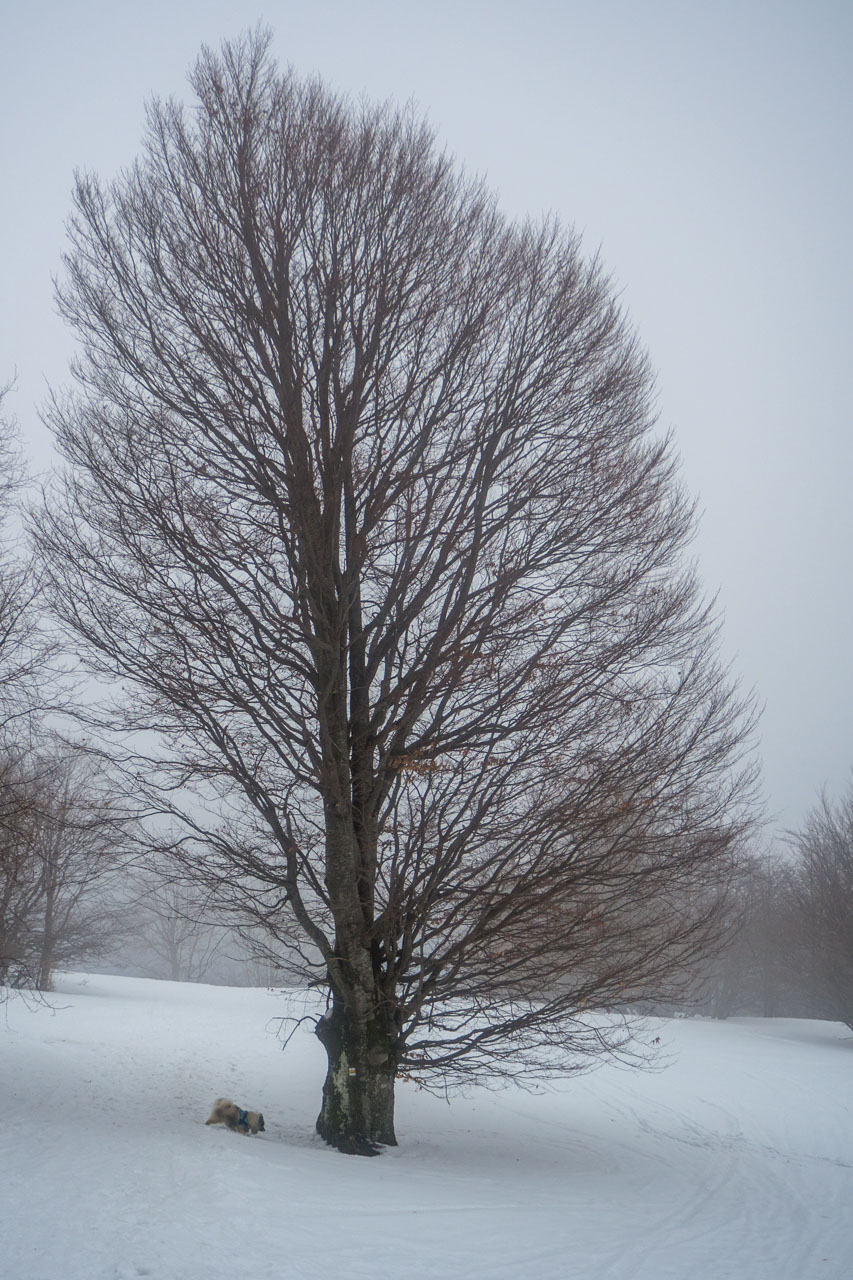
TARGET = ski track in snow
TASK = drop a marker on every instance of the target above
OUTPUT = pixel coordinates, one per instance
(734, 1161)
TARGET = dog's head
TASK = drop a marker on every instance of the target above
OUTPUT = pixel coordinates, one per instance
(252, 1122)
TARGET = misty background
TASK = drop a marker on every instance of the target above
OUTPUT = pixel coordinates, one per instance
(703, 151)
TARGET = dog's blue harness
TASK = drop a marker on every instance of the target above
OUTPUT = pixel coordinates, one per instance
(243, 1120)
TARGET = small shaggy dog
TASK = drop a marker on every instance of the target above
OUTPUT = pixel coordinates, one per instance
(227, 1113)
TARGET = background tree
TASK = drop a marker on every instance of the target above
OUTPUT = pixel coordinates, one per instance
(823, 893)
(24, 685)
(760, 970)
(365, 503)
(19, 879)
(24, 651)
(63, 843)
(173, 918)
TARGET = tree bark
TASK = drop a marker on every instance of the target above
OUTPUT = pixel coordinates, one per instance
(357, 1115)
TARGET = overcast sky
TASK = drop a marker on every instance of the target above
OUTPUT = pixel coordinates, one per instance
(704, 147)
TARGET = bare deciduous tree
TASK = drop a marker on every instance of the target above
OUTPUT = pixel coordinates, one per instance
(823, 889)
(759, 971)
(172, 917)
(365, 504)
(63, 843)
(23, 668)
(19, 878)
(24, 652)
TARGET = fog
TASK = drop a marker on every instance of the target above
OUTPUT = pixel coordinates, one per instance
(704, 151)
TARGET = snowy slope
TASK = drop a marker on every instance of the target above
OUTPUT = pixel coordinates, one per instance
(736, 1160)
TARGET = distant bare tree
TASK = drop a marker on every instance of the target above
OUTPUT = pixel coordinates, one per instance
(824, 897)
(24, 656)
(171, 915)
(62, 844)
(19, 878)
(365, 506)
(759, 971)
(81, 840)
(262, 962)
(24, 651)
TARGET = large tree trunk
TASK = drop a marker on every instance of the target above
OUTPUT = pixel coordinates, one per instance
(357, 1115)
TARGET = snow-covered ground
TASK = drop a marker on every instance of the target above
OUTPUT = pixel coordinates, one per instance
(736, 1160)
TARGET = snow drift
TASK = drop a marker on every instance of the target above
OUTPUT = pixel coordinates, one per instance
(733, 1160)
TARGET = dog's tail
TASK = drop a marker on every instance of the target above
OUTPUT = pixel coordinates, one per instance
(219, 1111)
